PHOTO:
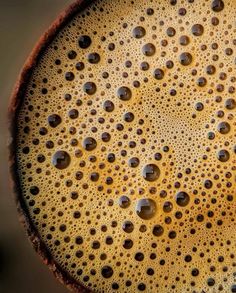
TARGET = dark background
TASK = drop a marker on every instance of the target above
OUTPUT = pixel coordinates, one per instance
(22, 22)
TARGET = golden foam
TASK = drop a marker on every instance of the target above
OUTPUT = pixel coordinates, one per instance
(126, 146)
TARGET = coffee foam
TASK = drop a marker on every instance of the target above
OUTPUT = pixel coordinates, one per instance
(94, 128)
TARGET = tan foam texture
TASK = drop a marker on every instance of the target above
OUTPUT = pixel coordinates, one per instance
(165, 121)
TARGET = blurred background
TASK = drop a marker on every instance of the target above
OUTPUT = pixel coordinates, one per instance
(22, 22)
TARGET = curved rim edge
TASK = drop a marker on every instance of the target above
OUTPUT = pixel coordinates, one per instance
(14, 105)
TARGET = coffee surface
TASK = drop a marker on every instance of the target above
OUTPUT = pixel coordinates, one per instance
(126, 146)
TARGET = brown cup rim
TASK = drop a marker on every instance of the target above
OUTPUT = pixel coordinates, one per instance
(14, 106)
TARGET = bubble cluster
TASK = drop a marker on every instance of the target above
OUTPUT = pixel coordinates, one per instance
(126, 146)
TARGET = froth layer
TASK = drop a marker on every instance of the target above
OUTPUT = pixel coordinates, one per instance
(126, 146)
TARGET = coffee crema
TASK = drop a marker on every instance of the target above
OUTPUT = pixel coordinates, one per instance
(125, 146)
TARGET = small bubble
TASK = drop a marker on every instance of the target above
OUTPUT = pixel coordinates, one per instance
(199, 106)
(217, 5)
(139, 32)
(40, 158)
(108, 106)
(195, 272)
(96, 244)
(134, 162)
(157, 230)
(107, 272)
(201, 81)
(172, 234)
(68, 97)
(230, 104)
(143, 228)
(61, 160)
(89, 143)
(43, 131)
(93, 58)
(128, 226)
(128, 243)
(79, 66)
(197, 30)
(69, 76)
(223, 155)
(185, 58)
(150, 11)
(124, 93)
(208, 184)
(182, 11)
(58, 62)
(34, 190)
(105, 136)
(79, 240)
(129, 117)
(84, 42)
(211, 135)
(90, 88)
(124, 202)
(139, 256)
(170, 32)
(141, 287)
(188, 258)
(210, 282)
(223, 127)
(94, 176)
(77, 215)
(111, 158)
(173, 2)
(184, 40)
(146, 208)
(149, 49)
(49, 144)
(169, 64)
(158, 74)
(150, 271)
(115, 286)
(151, 172)
(215, 21)
(182, 198)
(111, 47)
(54, 120)
(73, 114)
(167, 207)
(210, 69)
(158, 156)
(72, 54)
(144, 66)
(109, 240)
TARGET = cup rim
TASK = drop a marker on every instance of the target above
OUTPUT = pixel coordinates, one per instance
(15, 102)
